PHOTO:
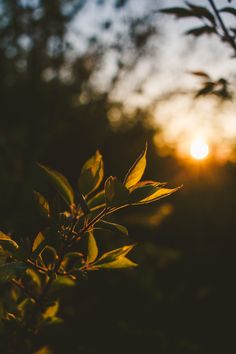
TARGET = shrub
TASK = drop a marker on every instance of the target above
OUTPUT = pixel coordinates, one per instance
(66, 249)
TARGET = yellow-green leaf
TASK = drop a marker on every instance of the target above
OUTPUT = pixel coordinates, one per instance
(37, 241)
(91, 174)
(143, 190)
(116, 194)
(7, 243)
(38, 245)
(26, 306)
(111, 256)
(42, 204)
(51, 310)
(59, 182)
(136, 171)
(160, 193)
(92, 250)
(119, 263)
(112, 227)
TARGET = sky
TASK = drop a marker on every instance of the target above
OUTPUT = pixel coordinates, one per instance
(165, 71)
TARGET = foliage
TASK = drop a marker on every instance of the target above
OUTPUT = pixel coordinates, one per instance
(66, 249)
(212, 23)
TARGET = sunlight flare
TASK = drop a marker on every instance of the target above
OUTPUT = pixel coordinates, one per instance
(199, 149)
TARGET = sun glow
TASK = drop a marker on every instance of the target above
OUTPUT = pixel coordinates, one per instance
(199, 149)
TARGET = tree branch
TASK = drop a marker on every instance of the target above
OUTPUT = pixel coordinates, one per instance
(228, 37)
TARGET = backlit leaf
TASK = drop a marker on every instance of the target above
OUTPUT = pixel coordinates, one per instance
(160, 193)
(59, 182)
(38, 245)
(92, 250)
(114, 259)
(114, 255)
(112, 227)
(51, 310)
(7, 243)
(120, 263)
(136, 171)
(42, 204)
(91, 174)
(38, 241)
(144, 190)
(26, 305)
(115, 193)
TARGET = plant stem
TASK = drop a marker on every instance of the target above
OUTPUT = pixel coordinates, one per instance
(228, 37)
(83, 203)
(91, 223)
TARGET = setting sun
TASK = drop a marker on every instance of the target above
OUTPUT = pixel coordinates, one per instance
(199, 149)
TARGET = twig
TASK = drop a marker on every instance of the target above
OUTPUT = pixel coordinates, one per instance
(228, 37)
(83, 203)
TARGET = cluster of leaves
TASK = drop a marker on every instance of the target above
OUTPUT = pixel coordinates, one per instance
(66, 249)
(212, 21)
(218, 88)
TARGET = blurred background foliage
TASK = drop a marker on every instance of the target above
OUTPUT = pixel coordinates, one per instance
(181, 298)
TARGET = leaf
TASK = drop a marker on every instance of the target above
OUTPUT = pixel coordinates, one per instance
(72, 260)
(111, 256)
(120, 263)
(112, 227)
(200, 11)
(114, 259)
(136, 171)
(43, 350)
(92, 250)
(38, 245)
(51, 310)
(62, 282)
(201, 74)
(97, 202)
(198, 31)
(160, 193)
(192, 11)
(92, 174)
(42, 204)
(59, 182)
(38, 241)
(9, 271)
(143, 190)
(229, 10)
(179, 12)
(207, 88)
(26, 306)
(49, 256)
(115, 193)
(7, 243)
(33, 278)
